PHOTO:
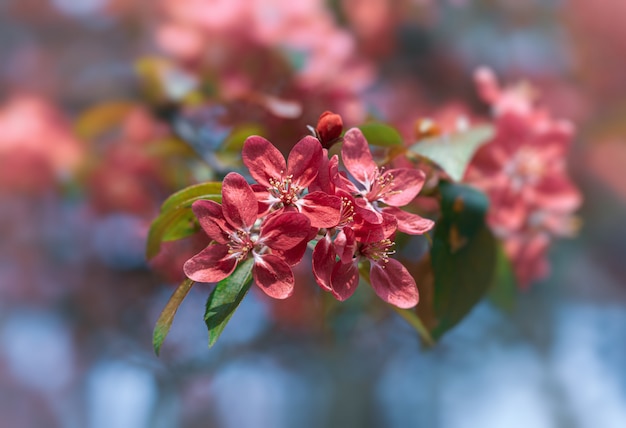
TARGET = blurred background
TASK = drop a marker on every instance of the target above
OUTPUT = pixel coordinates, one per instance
(94, 101)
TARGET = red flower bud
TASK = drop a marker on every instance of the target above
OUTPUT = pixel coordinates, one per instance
(329, 128)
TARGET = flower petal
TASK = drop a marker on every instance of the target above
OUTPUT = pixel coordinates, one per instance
(323, 262)
(345, 244)
(211, 219)
(322, 209)
(357, 157)
(263, 160)
(407, 182)
(394, 284)
(238, 201)
(345, 279)
(273, 276)
(409, 223)
(212, 264)
(305, 160)
(285, 231)
(367, 232)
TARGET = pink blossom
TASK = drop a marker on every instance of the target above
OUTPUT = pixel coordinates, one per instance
(275, 242)
(283, 184)
(37, 147)
(389, 278)
(523, 172)
(382, 192)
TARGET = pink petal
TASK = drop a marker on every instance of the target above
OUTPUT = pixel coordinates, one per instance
(357, 157)
(263, 198)
(322, 209)
(558, 193)
(305, 160)
(409, 223)
(323, 262)
(294, 255)
(239, 201)
(366, 232)
(394, 284)
(345, 279)
(211, 219)
(211, 264)
(322, 180)
(273, 276)
(345, 244)
(408, 182)
(285, 231)
(263, 160)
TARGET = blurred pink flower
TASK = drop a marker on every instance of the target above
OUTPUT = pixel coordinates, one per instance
(37, 147)
(225, 38)
(523, 172)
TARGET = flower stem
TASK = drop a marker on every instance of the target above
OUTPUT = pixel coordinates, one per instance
(409, 315)
(413, 319)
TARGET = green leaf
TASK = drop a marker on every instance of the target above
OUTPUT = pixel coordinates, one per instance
(503, 290)
(455, 151)
(176, 220)
(164, 322)
(463, 255)
(379, 134)
(170, 226)
(187, 196)
(185, 225)
(225, 298)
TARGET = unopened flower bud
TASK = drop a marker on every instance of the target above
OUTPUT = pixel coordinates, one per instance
(329, 128)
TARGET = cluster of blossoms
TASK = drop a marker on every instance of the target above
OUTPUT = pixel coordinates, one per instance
(307, 199)
(309, 62)
(523, 172)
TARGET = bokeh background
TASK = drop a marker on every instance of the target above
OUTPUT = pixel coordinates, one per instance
(77, 192)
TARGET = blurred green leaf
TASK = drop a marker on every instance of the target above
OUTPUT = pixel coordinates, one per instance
(235, 140)
(225, 298)
(102, 118)
(163, 324)
(379, 134)
(453, 152)
(187, 196)
(463, 255)
(171, 147)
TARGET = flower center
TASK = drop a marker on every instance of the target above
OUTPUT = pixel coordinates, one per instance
(381, 186)
(240, 244)
(284, 190)
(378, 251)
(525, 168)
(347, 212)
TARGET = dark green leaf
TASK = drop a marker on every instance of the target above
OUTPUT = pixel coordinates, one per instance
(164, 322)
(453, 152)
(503, 290)
(188, 195)
(225, 298)
(463, 255)
(379, 134)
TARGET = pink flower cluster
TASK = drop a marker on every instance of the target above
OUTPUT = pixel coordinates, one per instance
(523, 172)
(223, 35)
(37, 146)
(307, 199)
